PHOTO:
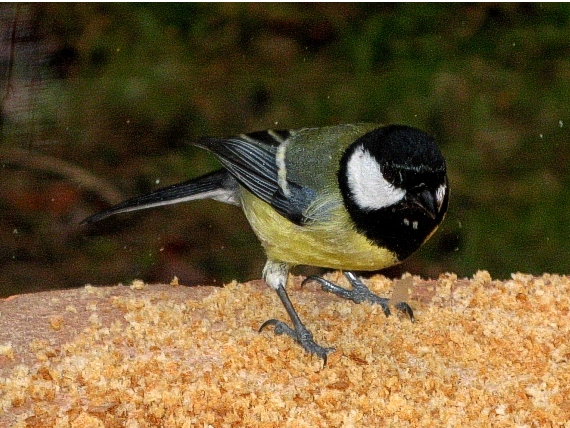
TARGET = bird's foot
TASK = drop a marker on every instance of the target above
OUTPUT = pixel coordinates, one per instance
(359, 293)
(301, 335)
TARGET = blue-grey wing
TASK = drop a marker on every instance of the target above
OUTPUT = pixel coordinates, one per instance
(252, 159)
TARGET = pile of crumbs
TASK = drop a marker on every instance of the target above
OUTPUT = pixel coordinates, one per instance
(482, 352)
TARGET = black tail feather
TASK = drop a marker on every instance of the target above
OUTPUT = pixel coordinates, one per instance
(218, 185)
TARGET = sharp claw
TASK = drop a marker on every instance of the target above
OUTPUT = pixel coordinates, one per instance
(331, 287)
(405, 308)
(266, 323)
(312, 278)
(280, 328)
(359, 293)
(303, 337)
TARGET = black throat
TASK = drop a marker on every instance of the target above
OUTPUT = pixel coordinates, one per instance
(398, 228)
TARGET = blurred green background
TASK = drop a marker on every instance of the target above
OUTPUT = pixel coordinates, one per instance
(99, 100)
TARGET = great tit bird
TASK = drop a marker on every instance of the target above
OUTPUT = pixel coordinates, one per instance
(357, 197)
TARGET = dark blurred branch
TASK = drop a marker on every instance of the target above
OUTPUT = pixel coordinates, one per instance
(12, 57)
(84, 179)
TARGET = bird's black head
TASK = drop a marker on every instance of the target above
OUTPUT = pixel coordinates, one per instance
(394, 184)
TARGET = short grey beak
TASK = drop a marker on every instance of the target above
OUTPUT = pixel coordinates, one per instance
(426, 201)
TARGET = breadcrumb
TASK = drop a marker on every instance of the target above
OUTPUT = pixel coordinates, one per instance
(482, 352)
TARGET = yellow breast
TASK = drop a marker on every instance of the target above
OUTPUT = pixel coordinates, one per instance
(332, 244)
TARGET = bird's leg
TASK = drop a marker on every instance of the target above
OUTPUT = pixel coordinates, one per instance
(359, 293)
(299, 332)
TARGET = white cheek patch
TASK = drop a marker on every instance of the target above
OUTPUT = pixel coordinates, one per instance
(367, 184)
(439, 195)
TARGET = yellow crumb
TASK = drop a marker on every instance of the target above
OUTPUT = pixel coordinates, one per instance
(137, 284)
(56, 322)
(7, 350)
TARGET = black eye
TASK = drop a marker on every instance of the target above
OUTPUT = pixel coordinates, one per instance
(391, 175)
